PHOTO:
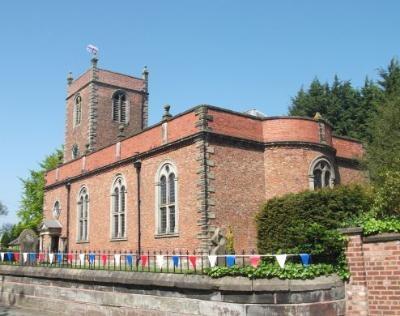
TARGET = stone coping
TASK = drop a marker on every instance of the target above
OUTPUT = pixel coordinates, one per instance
(174, 281)
(382, 237)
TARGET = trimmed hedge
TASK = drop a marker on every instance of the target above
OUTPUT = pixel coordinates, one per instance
(307, 221)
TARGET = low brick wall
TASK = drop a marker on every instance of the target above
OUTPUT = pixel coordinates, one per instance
(88, 292)
(374, 287)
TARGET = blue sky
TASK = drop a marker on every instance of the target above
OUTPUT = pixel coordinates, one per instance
(234, 54)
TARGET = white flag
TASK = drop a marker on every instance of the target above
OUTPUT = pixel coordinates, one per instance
(160, 261)
(82, 258)
(281, 260)
(213, 260)
(117, 258)
(2, 256)
(25, 256)
(51, 257)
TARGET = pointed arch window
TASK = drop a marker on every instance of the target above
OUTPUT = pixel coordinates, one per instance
(322, 174)
(118, 209)
(83, 215)
(167, 208)
(78, 110)
(120, 107)
(56, 210)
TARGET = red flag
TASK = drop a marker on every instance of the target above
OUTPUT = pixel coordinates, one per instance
(69, 258)
(104, 259)
(254, 261)
(41, 257)
(192, 260)
(143, 259)
(16, 256)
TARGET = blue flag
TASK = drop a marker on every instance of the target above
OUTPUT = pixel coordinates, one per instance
(230, 261)
(59, 257)
(32, 257)
(129, 259)
(305, 259)
(175, 259)
(92, 257)
(9, 256)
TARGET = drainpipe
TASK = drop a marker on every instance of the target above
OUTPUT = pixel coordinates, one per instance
(138, 165)
(68, 186)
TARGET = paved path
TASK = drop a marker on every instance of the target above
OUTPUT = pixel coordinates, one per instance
(14, 311)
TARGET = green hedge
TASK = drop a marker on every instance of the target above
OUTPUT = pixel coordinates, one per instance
(307, 221)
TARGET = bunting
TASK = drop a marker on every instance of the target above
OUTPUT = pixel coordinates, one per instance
(305, 259)
(254, 261)
(92, 258)
(41, 257)
(9, 256)
(213, 260)
(160, 261)
(192, 260)
(16, 256)
(175, 260)
(25, 256)
(2, 256)
(59, 257)
(117, 258)
(104, 259)
(129, 260)
(32, 257)
(82, 258)
(230, 260)
(69, 258)
(51, 257)
(281, 260)
(143, 260)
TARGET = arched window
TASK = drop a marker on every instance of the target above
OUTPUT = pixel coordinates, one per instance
(118, 209)
(83, 215)
(321, 174)
(78, 110)
(120, 108)
(56, 210)
(167, 208)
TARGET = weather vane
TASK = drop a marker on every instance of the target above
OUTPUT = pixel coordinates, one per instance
(92, 50)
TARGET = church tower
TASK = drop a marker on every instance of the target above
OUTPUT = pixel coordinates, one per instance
(101, 107)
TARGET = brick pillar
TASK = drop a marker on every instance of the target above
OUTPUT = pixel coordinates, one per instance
(356, 289)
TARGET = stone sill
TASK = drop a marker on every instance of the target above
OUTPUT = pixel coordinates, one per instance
(118, 239)
(166, 235)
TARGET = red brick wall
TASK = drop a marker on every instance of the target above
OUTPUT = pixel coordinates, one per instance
(347, 148)
(374, 287)
(351, 175)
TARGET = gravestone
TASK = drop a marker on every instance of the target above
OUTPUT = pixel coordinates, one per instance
(28, 241)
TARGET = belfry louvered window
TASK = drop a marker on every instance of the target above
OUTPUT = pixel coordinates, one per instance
(78, 110)
(120, 107)
(118, 209)
(83, 215)
(167, 204)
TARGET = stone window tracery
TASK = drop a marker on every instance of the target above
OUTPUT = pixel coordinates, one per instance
(83, 215)
(118, 209)
(322, 174)
(167, 208)
(56, 210)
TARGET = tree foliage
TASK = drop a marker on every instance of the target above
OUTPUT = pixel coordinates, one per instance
(3, 209)
(31, 209)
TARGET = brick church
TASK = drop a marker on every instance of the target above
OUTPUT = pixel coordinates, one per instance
(125, 185)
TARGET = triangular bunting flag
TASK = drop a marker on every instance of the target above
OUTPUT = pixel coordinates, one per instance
(160, 261)
(254, 261)
(213, 260)
(230, 260)
(117, 258)
(281, 260)
(51, 257)
(16, 256)
(32, 257)
(2, 256)
(175, 260)
(305, 259)
(129, 259)
(104, 259)
(82, 258)
(9, 256)
(69, 258)
(59, 257)
(92, 257)
(143, 260)
(41, 257)
(192, 260)
(25, 256)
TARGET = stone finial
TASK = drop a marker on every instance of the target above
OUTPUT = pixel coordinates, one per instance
(166, 116)
(70, 78)
(317, 116)
(94, 61)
